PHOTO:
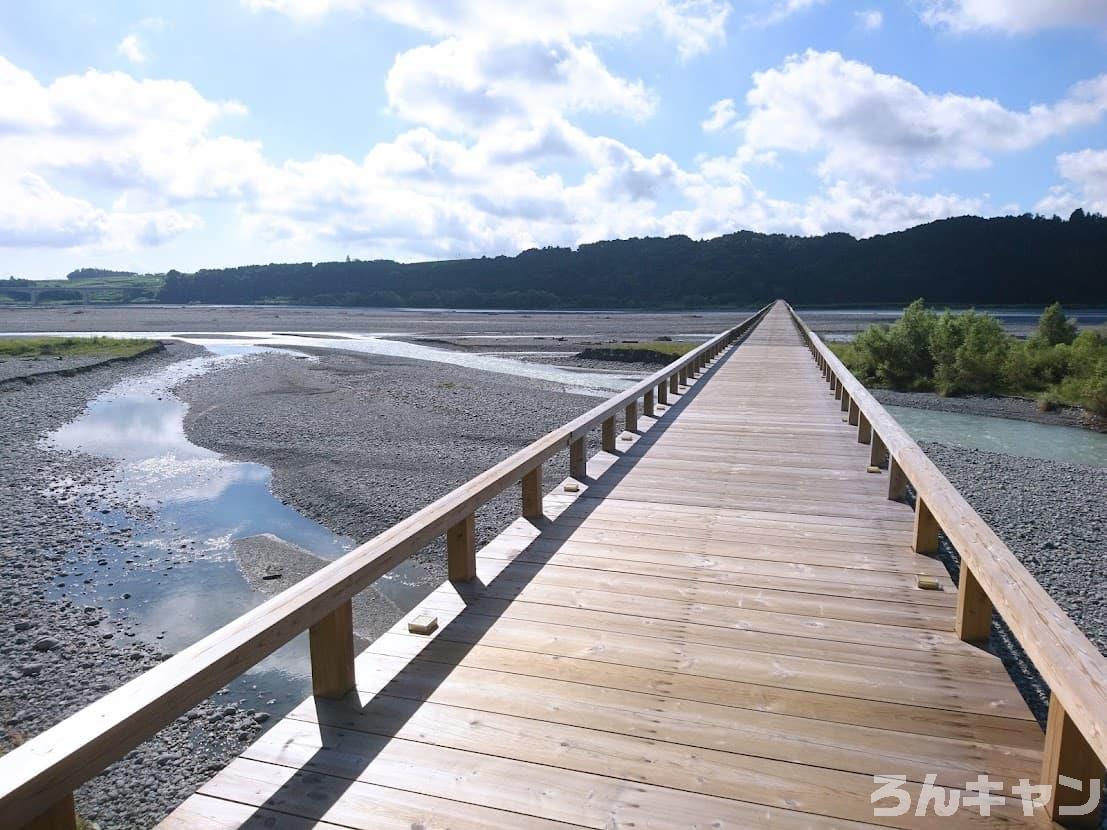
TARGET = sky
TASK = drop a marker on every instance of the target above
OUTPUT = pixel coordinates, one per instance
(146, 136)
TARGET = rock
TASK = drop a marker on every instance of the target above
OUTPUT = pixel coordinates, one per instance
(46, 644)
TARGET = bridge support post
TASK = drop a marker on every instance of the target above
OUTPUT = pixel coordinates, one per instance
(331, 642)
(532, 493)
(1067, 754)
(647, 404)
(974, 609)
(925, 539)
(663, 393)
(461, 550)
(631, 414)
(608, 434)
(864, 431)
(578, 464)
(897, 481)
(878, 453)
(62, 816)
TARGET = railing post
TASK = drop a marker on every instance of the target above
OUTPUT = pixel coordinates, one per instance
(647, 404)
(925, 537)
(61, 816)
(897, 481)
(663, 393)
(1067, 754)
(674, 383)
(631, 413)
(331, 642)
(864, 430)
(532, 493)
(854, 413)
(878, 453)
(974, 609)
(682, 376)
(845, 400)
(578, 464)
(608, 433)
(461, 550)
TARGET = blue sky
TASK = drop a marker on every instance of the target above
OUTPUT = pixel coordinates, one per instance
(147, 136)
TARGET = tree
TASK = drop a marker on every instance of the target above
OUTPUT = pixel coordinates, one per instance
(970, 352)
(1054, 327)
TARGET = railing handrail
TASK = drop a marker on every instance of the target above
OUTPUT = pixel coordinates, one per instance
(1069, 663)
(43, 772)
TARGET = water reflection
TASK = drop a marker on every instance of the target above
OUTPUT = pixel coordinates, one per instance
(167, 522)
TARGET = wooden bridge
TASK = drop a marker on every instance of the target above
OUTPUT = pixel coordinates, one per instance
(728, 617)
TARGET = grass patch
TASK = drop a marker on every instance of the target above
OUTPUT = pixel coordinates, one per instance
(668, 347)
(72, 347)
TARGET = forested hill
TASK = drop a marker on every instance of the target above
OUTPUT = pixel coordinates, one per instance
(967, 260)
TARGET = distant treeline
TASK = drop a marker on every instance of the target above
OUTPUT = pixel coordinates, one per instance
(968, 260)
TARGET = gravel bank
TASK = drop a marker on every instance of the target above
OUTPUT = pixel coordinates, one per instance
(60, 652)
(359, 442)
(995, 406)
(1054, 518)
(270, 565)
(14, 370)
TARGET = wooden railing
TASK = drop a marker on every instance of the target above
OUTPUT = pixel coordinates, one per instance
(991, 578)
(37, 779)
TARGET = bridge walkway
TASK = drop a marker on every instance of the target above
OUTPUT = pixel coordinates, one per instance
(723, 628)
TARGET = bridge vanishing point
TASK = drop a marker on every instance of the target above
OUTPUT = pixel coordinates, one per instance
(730, 616)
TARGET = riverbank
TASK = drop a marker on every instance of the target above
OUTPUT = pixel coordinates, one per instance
(19, 369)
(62, 650)
(358, 442)
(992, 406)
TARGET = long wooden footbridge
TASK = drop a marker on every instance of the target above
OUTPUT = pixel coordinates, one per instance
(729, 617)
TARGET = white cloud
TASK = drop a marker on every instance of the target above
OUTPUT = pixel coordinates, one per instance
(471, 84)
(869, 126)
(694, 25)
(33, 214)
(723, 114)
(1014, 16)
(115, 133)
(131, 48)
(870, 20)
(781, 10)
(1086, 170)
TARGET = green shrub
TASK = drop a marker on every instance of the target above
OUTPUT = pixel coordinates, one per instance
(1086, 382)
(1054, 327)
(969, 352)
(898, 355)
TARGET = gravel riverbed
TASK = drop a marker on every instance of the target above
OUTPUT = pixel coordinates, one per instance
(357, 443)
(993, 406)
(61, 652)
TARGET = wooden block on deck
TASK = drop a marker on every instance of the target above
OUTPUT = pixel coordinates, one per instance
(423, 624)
